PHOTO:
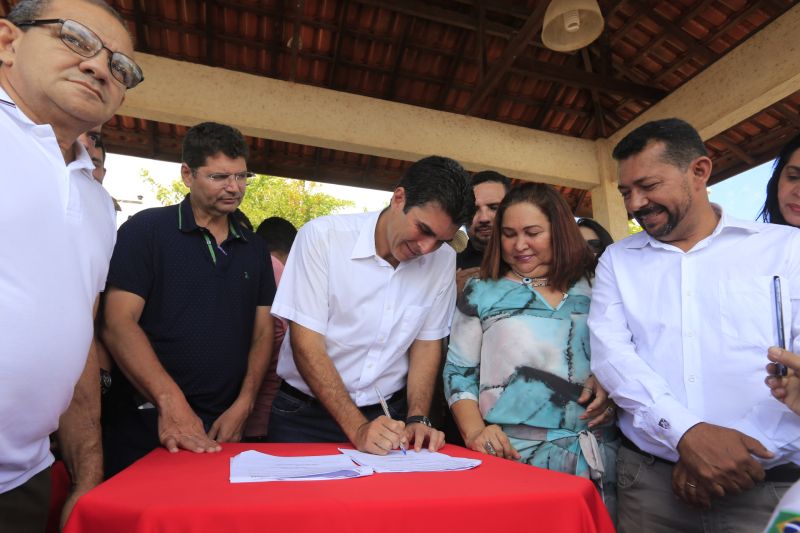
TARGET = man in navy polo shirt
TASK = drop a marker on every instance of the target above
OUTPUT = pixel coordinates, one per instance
(188, 311)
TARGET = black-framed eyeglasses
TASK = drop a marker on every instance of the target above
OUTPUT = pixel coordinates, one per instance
(241, 178)
(86, 43)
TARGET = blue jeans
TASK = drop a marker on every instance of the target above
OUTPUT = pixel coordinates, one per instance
(306, 420)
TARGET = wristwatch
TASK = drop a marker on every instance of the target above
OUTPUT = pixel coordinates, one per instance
(419, 419)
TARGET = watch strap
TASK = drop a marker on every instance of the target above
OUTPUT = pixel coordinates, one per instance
(419, 419)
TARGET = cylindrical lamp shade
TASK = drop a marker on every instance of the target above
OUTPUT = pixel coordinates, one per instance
(570, 25)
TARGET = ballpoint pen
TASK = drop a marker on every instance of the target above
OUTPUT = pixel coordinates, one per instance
(386, 412)
(776, 284)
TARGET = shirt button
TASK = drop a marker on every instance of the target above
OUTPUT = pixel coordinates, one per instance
(691, 379)
(690, 334)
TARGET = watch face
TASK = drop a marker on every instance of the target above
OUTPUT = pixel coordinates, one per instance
(105, 381)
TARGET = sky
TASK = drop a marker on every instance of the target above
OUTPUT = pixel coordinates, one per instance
(741, 196)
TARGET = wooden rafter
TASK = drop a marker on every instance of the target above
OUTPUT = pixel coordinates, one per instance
(480, 52)
(598, 108)
(398, 59)
(337, 42)
(461, 43)
(298, 6)
(500, 67)
(209, 15)
(142, 43)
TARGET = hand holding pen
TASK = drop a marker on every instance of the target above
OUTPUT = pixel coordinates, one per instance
(380, 436)
(386, 412)
(785, 388)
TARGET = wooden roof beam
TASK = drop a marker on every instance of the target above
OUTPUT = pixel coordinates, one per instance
(500, 67)
(722, 95)
(581, 79)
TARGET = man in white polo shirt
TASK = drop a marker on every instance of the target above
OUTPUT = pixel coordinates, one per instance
(368, 298)
(57, 228)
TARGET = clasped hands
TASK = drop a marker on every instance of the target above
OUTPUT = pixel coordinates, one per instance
(384, 434)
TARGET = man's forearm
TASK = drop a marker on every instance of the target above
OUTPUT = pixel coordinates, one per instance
(424, 358)
(259, 357)
(79, 429)
(132, 352)
(319, 372)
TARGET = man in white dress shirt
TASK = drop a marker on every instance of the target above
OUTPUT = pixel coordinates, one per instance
(65, 68)
(368, 298)
(682, 315)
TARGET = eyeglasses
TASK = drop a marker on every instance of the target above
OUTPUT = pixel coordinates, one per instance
(86, 43)
(241, 178)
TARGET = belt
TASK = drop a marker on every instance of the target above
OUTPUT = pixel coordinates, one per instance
(303, 397)
(786, 473)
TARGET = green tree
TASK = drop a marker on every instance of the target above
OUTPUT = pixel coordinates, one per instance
(267, 196)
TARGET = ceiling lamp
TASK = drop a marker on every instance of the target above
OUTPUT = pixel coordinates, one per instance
(570, 25)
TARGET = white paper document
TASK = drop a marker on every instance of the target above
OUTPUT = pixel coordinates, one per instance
(421, 461)
(252, 466)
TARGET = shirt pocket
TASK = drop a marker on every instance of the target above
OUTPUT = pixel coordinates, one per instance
(747, 312)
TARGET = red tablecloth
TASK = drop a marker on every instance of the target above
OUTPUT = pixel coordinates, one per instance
(187, 492)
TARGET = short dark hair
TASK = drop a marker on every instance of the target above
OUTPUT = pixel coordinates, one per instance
(771, 212)
(32, 9)
(572, 258)
(208, 139)
(490, 176)
(278, 233)
(443, 181)
(682, 143)
(605, 237)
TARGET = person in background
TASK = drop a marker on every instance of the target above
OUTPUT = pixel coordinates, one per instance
(786, 516)
(489, 188)
(187, 316)
(92, 140)
(279, 235)
(369, 299)
(596, 235)
(56, 81)
(681, 317)
(517, 374)
(782, 205)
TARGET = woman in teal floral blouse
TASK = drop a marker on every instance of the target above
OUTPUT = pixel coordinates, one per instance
(517, 374)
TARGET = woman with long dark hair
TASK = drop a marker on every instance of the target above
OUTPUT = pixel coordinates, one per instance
(783, 188)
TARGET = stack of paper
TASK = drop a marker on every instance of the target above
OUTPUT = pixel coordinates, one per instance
(421, 461)
(253, 466)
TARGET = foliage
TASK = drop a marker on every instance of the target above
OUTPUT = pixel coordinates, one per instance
(266, 196)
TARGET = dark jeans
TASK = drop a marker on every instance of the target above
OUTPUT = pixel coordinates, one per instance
(306, 420)
(24, 509)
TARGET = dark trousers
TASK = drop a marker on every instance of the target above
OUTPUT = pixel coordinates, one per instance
(24, 509)
(296, 417)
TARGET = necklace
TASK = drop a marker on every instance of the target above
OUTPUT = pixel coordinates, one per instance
(532, 282)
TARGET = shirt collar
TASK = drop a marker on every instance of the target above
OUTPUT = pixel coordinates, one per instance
(726, 223)
(365, 244)
(82, 158)
(188, 224)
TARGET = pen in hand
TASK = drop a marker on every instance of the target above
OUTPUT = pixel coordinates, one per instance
(780, 369)
(386, 412)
